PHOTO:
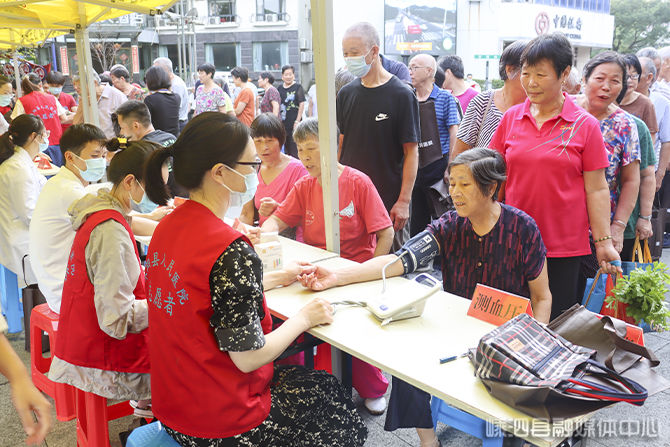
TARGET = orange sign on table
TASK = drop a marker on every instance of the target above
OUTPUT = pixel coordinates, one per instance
(497, 306)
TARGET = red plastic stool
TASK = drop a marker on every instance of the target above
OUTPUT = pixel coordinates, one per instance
(43, 319)
(93, 414)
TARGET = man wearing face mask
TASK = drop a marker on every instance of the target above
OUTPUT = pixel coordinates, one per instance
(378, 117)
(56, 81)
(51, 234)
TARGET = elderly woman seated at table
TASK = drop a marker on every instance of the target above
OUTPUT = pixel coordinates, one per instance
(278, 173)
(365, 228)
(482, 241)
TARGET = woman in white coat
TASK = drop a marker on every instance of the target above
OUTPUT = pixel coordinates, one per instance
(20, 185)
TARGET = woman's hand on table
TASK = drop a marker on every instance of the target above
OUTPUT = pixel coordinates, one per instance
(28, 400)
(268, 206)
(160, 212)
(608, 258)
(317, 278)
(317, 312)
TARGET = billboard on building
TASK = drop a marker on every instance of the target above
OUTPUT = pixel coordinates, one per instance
(419, 26)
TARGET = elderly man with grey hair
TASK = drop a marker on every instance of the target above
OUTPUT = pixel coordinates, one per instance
(378, 117)
(439, 124)
(573, 84)
(662, 108)
(109, 99)
(661, 59)
(178, 87)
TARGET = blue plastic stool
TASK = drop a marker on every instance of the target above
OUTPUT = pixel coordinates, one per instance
(491, 435)
(11, 304)
(150, 435)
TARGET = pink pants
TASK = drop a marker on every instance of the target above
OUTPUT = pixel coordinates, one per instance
(368, 380)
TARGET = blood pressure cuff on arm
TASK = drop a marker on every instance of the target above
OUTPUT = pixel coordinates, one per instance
(419, 251)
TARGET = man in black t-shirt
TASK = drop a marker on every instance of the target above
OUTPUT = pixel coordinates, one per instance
(378, 117)
(292, 105)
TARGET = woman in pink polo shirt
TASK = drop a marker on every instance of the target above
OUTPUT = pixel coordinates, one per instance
(556, 162)
(366, 231)
(278, 173)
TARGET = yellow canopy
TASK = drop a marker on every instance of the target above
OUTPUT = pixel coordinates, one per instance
(31, 22)
(62, 16)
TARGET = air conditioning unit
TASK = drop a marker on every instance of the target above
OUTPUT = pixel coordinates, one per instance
(305, 57)
(271, 17)
(304, 44)
(213, 20)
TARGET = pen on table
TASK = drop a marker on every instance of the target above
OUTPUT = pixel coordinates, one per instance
(452, 358)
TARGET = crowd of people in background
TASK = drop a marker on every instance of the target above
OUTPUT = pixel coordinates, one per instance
(564, 166)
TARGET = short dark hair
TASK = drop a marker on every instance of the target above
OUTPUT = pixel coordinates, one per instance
(156, 78)
(487, 167)
(453, 63)
(56, 78)
(240, 72)
(287, 67)
(131, 158)
(207, 68)
(135, 110)
(439, 76)
(511, 56)
(268, 125)
(609, 57)
(120, 72)
(77, 136)
(268, 77)
(631, 60)
(554, 47)
(208, 139)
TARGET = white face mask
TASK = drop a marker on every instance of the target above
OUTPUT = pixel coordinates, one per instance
(238, 198)
(357, 66)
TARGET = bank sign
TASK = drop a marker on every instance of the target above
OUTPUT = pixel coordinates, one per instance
(583, 28)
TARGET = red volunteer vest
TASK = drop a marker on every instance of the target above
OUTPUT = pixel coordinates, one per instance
(44, 106)
(80, 340)
(196, 389)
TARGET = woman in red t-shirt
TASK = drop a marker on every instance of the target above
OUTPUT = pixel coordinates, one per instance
(366, 231)
(556, 161)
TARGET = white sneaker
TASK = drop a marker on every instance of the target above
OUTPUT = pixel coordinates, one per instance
(376, 406)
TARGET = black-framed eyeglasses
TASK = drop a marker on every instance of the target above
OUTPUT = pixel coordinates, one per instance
(256, 164)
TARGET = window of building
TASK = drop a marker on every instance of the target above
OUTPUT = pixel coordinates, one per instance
(171, 52)
(224, 56)
(225, 9)
(270, 55)
(270, 10)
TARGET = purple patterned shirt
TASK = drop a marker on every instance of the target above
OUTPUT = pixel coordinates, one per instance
(623, 147)
(506, 258)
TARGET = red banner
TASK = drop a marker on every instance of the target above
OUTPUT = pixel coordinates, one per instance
(64, 62)
(136, 58)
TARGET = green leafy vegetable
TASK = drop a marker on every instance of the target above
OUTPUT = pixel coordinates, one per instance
(644, 291)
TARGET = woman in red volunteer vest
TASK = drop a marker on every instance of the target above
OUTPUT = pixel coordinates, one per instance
(212, 349)
(102, 334)
(35, 102)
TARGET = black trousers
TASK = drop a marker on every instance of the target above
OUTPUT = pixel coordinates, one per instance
(421, 207)
(563, 283)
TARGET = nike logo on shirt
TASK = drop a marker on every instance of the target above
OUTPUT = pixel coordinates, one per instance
(381, 117)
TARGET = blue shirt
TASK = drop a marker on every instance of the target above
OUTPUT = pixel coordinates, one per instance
(396, 68)
(446, 111)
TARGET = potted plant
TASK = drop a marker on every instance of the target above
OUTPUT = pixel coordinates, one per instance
(643, 294)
